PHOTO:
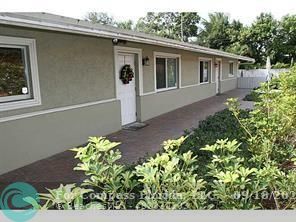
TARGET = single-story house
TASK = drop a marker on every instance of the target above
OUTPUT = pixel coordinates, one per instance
(63, 80)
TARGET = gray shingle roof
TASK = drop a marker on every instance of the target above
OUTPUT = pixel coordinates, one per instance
(48, 21)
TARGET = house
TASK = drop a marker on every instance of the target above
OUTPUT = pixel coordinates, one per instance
(63, 80)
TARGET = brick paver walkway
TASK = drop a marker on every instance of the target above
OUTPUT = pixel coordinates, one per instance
(135, 144)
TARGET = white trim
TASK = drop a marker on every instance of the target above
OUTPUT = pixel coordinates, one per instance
(205, 59)
(55, 110)
(148, 93)
(222, 80)
(36, 100)
(138, 51)
(188, 86)
(204, 83)
(218, 84)
(79, 28)
(229, 74)
(214, 68)
(165, 56)
(167, 89)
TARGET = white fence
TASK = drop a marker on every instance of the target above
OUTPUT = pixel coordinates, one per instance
(249, 79)
(249, 82)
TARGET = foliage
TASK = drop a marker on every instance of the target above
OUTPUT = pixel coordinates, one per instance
(220, 33)
(253, 96)
(125, 25)
(280, 65)
(238, 183)
(98, 161)
(171, 175)
(105, 19)
(260, 37)
(147, 186)
(286, 40)
(221, 125)
(272, 128)
(68, 197)
(12, 78)
(100, 17)
(233, 183)
(266, 36)
(174, 25)
(234, 160)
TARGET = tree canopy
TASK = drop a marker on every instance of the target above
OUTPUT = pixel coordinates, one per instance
(266, 36)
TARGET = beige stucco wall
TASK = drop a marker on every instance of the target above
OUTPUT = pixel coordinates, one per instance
(225, 68)
(157, 103)
(26, 140)
(73, 69)
(228, 84)
(160, 103)
(189, 64)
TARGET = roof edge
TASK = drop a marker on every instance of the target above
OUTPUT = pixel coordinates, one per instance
(32, 22)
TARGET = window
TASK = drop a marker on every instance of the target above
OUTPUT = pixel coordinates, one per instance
(231, 69)
(205, 69)
(19, 86)
(166, 72)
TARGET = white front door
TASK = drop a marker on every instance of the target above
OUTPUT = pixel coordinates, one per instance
(218, 76)
(126, 92)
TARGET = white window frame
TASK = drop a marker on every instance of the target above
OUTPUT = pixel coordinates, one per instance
(204, 59)
(229, 74)
(178, 78)
(23, 101)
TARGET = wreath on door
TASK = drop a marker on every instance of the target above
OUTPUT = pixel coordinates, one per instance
(126, 74)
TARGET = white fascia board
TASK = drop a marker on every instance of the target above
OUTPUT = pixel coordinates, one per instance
(78, 29)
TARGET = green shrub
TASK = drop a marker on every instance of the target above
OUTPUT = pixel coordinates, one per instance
(235, 159)
(252, 96)
(171, 174)
(221, 125)
(280, 65)
(232, 181)
(166, 181)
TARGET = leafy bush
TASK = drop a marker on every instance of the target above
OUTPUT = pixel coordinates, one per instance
(221, 125)
(271, 126)
(280, 65)
(251, 166)
(253, 96)
(169, 181)
(166, 181)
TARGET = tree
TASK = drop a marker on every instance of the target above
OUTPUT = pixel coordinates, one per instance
(125, 24)
(260, 38)
(186, 25)
(237, 45)
(285, 42)
(215, 33)
(174, 25)
(100, 17)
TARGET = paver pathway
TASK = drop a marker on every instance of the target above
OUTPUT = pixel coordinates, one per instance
(135, 144)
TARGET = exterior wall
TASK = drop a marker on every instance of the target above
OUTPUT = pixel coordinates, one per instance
(75, 70)
(227, 82)
(189, 65)
(26, 140)
(163, 102)
(153, 103)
